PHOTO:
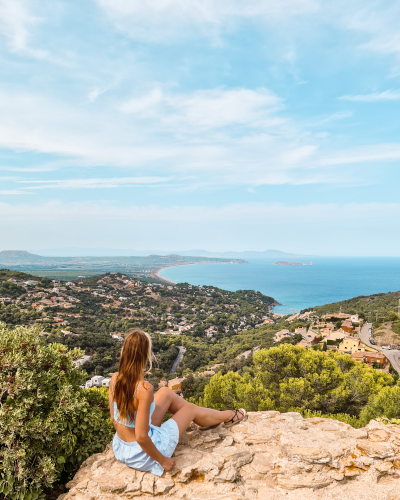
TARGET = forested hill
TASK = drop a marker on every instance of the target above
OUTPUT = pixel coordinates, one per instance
(214, 325)
(366, 306)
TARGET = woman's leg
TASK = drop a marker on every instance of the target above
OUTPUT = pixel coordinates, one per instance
(166, 400)
(201, 416)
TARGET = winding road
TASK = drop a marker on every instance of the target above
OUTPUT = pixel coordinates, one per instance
(178, 359)
(393, 355)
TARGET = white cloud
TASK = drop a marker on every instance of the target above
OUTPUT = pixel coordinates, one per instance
(116, 182)
(207, 109)
(255, 212)
(375, 22)
(96, 93)
(233, 135)
(217, 136)
(16, 23)
(173, 19)
(387, 95)
(366, 154)
(7, 192)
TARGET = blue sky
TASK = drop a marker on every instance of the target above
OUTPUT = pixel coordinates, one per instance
(224, 125)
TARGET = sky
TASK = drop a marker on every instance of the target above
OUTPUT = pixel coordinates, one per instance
(181, 124)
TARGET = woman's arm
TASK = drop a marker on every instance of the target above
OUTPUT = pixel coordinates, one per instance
(110, 398)
(145, 398)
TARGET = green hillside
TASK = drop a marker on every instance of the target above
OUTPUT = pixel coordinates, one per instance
(366, 306)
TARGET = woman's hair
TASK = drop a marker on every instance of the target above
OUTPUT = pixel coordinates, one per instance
(134, 355)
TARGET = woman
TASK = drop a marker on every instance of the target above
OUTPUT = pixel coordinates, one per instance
(142, 441)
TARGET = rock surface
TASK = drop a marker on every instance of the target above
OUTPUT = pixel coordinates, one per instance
(272, 456)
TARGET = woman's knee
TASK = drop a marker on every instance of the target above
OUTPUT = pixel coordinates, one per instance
(192, 408)
(164, 393)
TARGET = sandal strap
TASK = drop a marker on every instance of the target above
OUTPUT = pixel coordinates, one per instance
(235, 416)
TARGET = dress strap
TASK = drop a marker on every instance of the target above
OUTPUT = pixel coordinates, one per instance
(141, 383)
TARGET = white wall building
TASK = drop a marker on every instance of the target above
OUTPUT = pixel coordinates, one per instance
(106, 382)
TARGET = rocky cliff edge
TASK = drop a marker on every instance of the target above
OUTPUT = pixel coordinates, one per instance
(272, 456)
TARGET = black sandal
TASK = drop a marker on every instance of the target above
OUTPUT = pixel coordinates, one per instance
(232, 421)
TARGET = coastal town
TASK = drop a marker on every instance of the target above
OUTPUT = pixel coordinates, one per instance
(196, 329)
(95, 314)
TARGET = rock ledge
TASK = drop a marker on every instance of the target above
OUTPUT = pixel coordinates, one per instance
(272, 456)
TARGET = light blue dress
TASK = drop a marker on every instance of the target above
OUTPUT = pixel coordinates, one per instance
(165, 439)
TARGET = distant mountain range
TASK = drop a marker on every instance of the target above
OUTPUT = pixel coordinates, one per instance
(112, 252)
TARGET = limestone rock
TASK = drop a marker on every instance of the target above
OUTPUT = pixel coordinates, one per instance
(271, 456)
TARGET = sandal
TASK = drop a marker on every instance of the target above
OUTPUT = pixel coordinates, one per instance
(232, 421)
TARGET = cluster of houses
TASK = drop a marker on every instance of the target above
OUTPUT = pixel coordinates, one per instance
(344, 340)
(97, 381)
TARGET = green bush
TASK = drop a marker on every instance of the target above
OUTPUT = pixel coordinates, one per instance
(342, 417)
(384, 404)
(49, 426)
(290, 378)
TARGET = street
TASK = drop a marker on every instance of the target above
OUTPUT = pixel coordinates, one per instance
(364, 336)
(393, 355)
(178, 359)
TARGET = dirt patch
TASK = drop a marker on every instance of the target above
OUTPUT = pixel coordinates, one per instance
(386, 336)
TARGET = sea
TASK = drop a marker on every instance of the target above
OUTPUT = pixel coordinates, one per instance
(327, 280)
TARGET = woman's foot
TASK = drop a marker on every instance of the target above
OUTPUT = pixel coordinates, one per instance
(238, 416)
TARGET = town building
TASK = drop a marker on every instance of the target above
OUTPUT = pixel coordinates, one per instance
(175, 385)
(347, 326)
(336, 335)
(97, 381)
(371, 357)
(351, 345)
(282, 334)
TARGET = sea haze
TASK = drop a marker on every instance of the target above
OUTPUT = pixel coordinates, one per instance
(299, 287)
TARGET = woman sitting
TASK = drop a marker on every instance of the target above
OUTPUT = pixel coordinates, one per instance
(142, 441)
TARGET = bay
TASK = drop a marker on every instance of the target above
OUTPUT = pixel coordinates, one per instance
(298, 287)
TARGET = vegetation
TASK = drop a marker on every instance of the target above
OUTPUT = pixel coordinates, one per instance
(86, 313)
(193, 387)
(385, 403)
(289, 378)
(49, 426)
(378, 308)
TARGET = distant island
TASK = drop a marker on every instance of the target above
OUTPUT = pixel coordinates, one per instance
(287, 263)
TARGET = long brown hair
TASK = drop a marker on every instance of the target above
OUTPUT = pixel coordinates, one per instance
(134, 355)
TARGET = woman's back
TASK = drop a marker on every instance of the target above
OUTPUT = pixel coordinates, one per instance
(125, 434)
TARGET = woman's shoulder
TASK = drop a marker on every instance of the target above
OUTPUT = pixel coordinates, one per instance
(145, 389)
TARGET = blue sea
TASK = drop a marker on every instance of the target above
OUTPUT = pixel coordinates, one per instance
(298, 287)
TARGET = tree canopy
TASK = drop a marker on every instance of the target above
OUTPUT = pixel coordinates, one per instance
(290, 378)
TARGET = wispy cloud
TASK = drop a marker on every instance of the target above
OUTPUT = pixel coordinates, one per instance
(366, 154)
(158, 20)
(387, 95)
(207, 109)
(16, 23)
(257, 212)
(116, 182)
(96, 93)
(7, 192)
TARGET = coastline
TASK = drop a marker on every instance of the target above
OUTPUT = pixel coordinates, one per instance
(155, 274)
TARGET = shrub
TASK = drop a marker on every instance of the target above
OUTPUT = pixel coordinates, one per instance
(384, 404)
(49, 426)
(290, 378)
(342, 417)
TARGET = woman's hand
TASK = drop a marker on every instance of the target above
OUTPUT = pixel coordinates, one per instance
(167, 463)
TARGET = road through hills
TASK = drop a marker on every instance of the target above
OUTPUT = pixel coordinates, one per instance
(393, 355)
